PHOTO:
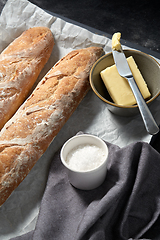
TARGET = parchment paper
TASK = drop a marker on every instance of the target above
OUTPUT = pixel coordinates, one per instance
(18, 214)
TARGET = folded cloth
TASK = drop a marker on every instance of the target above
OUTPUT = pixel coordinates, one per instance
(126, 206)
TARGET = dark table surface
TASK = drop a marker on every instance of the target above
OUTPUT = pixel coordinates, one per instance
(138, 21)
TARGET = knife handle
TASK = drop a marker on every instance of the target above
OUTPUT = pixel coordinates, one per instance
(150, 124)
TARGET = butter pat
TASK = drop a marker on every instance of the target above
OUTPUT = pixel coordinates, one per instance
(118, 87)
(116, 45)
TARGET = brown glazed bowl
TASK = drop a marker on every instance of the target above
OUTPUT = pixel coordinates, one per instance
(149, 68)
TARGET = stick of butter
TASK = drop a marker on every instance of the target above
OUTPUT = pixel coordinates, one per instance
(118, 87)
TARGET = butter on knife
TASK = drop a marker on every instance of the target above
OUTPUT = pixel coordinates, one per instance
(118, 86)
(116, 45)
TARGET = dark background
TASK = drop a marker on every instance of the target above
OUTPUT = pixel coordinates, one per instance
(138, 21)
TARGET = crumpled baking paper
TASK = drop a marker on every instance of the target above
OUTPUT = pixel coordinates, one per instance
(19, 213)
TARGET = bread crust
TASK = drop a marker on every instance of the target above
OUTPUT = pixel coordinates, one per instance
(30, 131)
(20, 64)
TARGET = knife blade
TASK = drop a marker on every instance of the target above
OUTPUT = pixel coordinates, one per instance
(124, 71)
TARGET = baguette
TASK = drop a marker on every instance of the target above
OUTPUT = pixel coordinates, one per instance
(20, 64)
(30, 131)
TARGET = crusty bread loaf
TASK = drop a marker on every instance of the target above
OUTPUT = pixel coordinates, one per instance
(30, 131)
(20, 64)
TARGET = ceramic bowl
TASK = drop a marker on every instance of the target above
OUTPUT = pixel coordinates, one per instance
(149, 68)
(90, 176)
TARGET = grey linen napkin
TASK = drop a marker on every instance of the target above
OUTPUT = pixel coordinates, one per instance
(126, 206)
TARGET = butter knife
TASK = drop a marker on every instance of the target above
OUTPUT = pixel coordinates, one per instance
(124, 70)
